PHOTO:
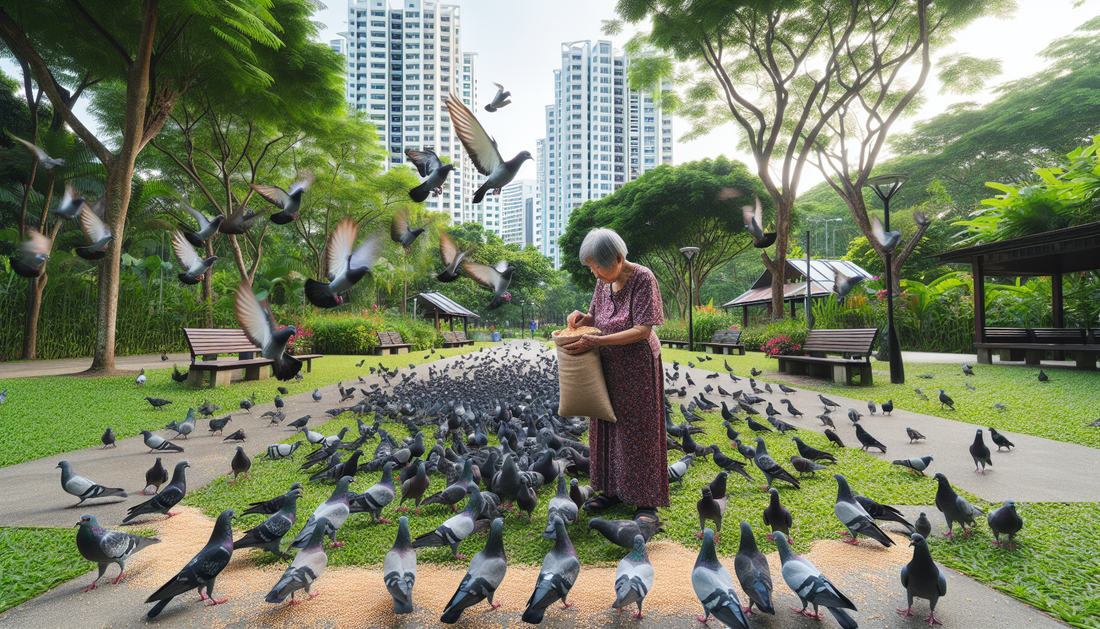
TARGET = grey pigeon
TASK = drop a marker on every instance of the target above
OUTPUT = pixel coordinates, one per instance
(260, 327)
(560, 507)
(455, 529)
(923, 525)
(374, 499)
(307, 566)
(154, 477)
(921, 219)
(887, 240)
(980, 452)
(70, 205)
(812, 587)
(754, 224)
(708, 509)
(482, 150)
(834, 438)
(239, 465)
(452, 258)
(282, 450)
(622, 532)
(854, 415)
(399, 569)
(203, 569)
(885, 513)
(218, 425)
(415, 487)
(1000, 440)
(922, 578)
(273, 505)
(184, 428)
(429, 166)
(1005, 521)
(887, 407)
(269, 534)
(400, 232)
(499, 100)
(483, 577)
(867, 440)
(920, 394)
(97, 234)
(945, 400)
(108, 438)
(827, 402)
(194, 266)
(954, 507)
(580, 494)
(346, 264)
(677, 470)
(207, 227)
(967, 370)
(316, 395)
(752, 570)
(83, 488)
(913, 435)
(772, 470)
(288, 201)
(241, 220)
(812, 453)
(106, 546)
(33, 253)
(917, 465)
(805, 466)
(633, 578)
(713, 585)
(559, 572)
(843, 285)
(167, 498)
(334, 511)
(854, 517)
(871, 407)
(47, 162)
(456, 492)
(496, 278)
(776, 515)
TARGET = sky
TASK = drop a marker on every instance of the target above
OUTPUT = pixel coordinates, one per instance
(519, 41)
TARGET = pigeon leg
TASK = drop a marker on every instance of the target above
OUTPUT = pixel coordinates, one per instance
(907, 612)
(748, 610)
(337, 544)
(119, 579)
(565, 605)
(91, 587)
(699, 535)
(932, 620)
(313, 595)
(996, 544)
(704, 620)
(465, 557)
(172, 514)
(202, 596)
(73, 505)
(383, 521)
(213, 601)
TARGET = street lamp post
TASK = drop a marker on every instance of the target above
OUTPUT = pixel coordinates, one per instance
(689, 253)
(826, 221)
(886, 186)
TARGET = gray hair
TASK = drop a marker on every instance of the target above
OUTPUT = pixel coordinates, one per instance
(602, 245)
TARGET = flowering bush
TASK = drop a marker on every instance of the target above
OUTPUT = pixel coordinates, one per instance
(301, 342)
(781, 345)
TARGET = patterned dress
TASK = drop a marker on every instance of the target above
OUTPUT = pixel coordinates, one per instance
(629, 459)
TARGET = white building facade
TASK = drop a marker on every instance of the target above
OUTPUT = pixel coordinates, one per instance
(517, 211)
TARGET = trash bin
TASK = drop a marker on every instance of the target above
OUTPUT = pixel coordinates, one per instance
(496, 337)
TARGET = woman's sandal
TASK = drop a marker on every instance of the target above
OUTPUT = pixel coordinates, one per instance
(645, 514)
(602, 502)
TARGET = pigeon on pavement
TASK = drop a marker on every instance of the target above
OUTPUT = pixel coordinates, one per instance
(751, 567)
(154, 477)
(108, 438)
(184, 428)
(923, 525)
(201, 572)
(483, 577)
(713, 585)
(482, 150)
(307, 566)
(1000, 440)
(559, 572)
(980, 452)
(168, 497)
(914, 435)
(107, 546)
(812, 587)
(922, 578)
(633, 578)
(157, 443)
(399, 569)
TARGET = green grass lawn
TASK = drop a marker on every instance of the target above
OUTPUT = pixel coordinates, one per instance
(33, 560)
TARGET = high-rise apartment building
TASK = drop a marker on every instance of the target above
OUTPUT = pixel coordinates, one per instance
(517, 212)
(600, 134)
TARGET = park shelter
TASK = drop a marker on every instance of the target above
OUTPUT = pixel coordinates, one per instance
(438, 306)
(821, 274)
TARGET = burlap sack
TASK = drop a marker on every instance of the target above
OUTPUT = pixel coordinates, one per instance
(582, 389)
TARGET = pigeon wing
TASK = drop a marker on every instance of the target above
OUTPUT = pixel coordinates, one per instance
(426, 161)
(39, 153)
(199, 217)
(447, 249)
(338, 249)
(36, 244)
(877, 230)
(186, 254)
(481, 148)
(304, 181)
(272, 194)
(399, 225)
(364, 254)
(483, 274)
(253, 316)
(93, 227)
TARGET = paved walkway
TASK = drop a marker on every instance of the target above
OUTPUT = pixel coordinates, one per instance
(60, 367)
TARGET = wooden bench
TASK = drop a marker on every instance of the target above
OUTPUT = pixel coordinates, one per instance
(452, 339)
(208, 343)
(674, 344)
(391, 343)
(854, 346)
(1031, 345)
(460, 338)
(725, 342)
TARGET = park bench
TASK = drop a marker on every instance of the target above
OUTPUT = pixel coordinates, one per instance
(1031, 345)
(725, 342)
(854, 347)
(391, 343)
(455, 339)
(674, 344)
(207, 344)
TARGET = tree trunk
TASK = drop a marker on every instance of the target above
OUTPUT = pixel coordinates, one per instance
(208, 289)
(35, 288)
(778, 263)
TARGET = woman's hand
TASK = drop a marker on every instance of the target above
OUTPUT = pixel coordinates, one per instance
(577, 319)
(581, 345)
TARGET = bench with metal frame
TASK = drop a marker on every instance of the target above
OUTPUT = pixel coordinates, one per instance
(854, 347)
(206, 344)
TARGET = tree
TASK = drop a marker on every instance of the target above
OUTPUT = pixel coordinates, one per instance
(669, 208)
(157, 52)
(794, 76)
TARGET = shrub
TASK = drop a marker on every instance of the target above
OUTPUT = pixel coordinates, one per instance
(705, 322)
(755, 337)
(354, 333)
(781, 345)
(301, 342)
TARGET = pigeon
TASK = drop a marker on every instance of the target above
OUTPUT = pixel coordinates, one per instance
(826, 419)
(843, 285)
(560, 507)
(867, 440)
(834, 438)
(399, 569)
(751, 568)
(195, 267)
(451, 256)
(495, 278)
(805, 466)
(269, 534)
(913, 435)
(455, 529)
(728, 464)
(921, 219)
(922, 525)
(108, 438)
(980, 452)
(500, 100)
(167, 498)
(580, 494)
(241, 220)
(1043, 377)
(184, 428)
(922, 578)
(208, 227)
(754, 221)
(334, 511)
(713, 585)
(97, 234)
(917, 465)
(622, 532)
(920, 394)
(812, 587)
(777, 516)
(154, 477)
(374, 499)
(259, 326)
(827, 402)
(887, 240)
(217, 425)
(709, 509)
(239, 465)
(967, 370)
(887, 407)
(791, 410)
(306, 567)
(107, 546)
(158, 443)
(954, 507)
(415, 487)
(247, 404)
(83, 488)
(70, 205)
(854, 416)
(677, 470)
(482, 150)
(946, 400)
(483, 577)
(279, 404)
(346, 263)
(633, 578)
(559, 571)
(435, 172)
(236, 436)
(400, 232)
(47, 162)
(287, 201)
(281, 450)
(812, 453)
(33, 253)
(998, 438)
(854, 517)
(202, 570)
(1005, 521)
(268, 507)
(772, 470)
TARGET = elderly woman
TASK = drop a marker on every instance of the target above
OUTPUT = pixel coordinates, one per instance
(629, 460)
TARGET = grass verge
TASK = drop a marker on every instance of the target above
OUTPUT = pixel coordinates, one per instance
(33, 560)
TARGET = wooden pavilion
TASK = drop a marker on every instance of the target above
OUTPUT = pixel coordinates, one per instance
(821, 273)
(439, 307)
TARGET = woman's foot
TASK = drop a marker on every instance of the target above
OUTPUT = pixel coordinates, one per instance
(647, 514)
(602, 502)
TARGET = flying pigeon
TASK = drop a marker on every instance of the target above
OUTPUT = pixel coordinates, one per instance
(287, 201)
(47, 162)
(334, 511)
(954, 507)
(33, 253)
(500, 100)
(83, 488)
(400, 232)
(1005, 521)
(842, 285)
(107, 546)
(633, 578)
(269, 534)
(887, 240)
(482, 150)
(451, 256)
(208, 227)
(168, 497)
(428, 165)
(751, 568)
(713, 585)
(157, 443)
(496, 279)
(69, 208)
(921, 219)
(260, 327)
(241, 220)
(307, 566)
(483, 577)
(155, 476)
(201, 572)
(195, 267)
(754, 223)
(980, 452)
(97, 235)
(922, 578)
(559, 572)
(812, 587)
(399, 569)
(346, 265)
